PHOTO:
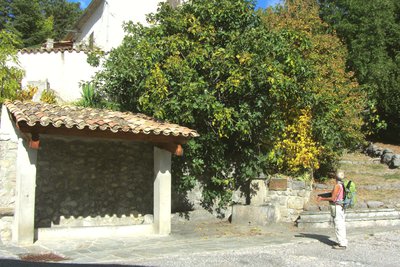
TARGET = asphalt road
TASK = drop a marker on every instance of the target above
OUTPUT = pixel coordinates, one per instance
(379, 249)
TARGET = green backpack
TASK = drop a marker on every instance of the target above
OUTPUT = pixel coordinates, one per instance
(350, 194)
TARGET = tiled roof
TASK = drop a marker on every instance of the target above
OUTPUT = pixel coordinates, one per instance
(51, 50)
(80, 118)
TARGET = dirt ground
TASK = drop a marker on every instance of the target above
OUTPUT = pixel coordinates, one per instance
(395, 148)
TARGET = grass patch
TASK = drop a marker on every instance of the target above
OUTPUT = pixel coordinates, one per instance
(365, 172)
(378, 195)
(392, 176)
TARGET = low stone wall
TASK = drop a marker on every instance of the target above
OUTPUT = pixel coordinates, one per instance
(273, 200)
(8, 157)
(354, 218)
(289, 201)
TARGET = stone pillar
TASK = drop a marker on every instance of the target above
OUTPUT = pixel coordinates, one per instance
(24, 215)
(162, 191)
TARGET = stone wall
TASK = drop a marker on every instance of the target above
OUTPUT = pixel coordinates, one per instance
(289, 201)
(8, 157)
(93, 182)
(273, 200)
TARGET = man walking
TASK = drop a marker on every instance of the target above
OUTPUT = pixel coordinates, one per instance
(337, 211)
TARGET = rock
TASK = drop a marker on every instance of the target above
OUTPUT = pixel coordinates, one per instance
(370, 149)
(254, 215)
(320, 186)
(378, 152)
(311, 208)
(296, 203)
(387, 150)
(361, 205)
(148, 219)
(298, 185)
(375, 204)
(387, 158)
(395, 162)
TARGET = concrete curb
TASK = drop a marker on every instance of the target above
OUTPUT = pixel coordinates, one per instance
(354, 218)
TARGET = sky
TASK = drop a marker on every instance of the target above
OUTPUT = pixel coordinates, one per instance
(84, 3)
(260, 3)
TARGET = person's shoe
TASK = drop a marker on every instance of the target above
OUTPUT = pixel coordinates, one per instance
(338, 247)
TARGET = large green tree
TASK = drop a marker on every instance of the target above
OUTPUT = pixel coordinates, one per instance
(338, 101)
(214, 66)
(371, 30)
(65, 14)
(26, 19)
(36, 20)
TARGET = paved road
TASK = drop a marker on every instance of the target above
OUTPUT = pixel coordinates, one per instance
(366, 250)
(222, 244)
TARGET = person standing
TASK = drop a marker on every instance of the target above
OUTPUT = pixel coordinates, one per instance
(337, 211)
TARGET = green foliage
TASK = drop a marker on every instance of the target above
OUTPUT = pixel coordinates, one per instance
(214, 66)
(48, 96)
(90, 97)
(26, 94)
(64, 14)
(371, 30)
(25, 18)
(337, 101)
(36, 20)
(94, 57)
(10, 72)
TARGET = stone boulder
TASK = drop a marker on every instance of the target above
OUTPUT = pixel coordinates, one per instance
(387, 150)
(370, 149)
(375, 204)
(378, 152)
(395, 162)
(387, 157)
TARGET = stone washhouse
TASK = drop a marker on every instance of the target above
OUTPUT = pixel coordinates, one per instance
(69, 171)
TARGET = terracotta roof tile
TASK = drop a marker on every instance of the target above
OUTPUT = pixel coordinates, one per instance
(78, 117)
(42, 50)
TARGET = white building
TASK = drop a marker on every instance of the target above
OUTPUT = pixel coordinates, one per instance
(62, 66)
(102, 23)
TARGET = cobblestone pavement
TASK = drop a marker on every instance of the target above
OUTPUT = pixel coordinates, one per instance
(221, 244)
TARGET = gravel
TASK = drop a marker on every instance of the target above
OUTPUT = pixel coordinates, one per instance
(365, 249)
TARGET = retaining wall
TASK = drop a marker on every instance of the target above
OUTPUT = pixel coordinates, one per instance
(273, 200)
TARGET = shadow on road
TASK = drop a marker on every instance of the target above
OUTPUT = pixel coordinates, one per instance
(19, 263)
(321, 238)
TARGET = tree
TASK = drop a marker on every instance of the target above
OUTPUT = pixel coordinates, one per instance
(371, 31)
(33, 21)
(25, 18)
(10, 73)
(65, 14)
(338, 102)
(212, 65)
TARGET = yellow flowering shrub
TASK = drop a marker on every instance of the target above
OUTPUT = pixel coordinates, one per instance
(296, 151)
(48, 96)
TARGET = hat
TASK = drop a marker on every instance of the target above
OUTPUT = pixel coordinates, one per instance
(340, 175)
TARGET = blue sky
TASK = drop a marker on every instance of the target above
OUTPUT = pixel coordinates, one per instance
(84, 3)
(265, 3)
(260, 3)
